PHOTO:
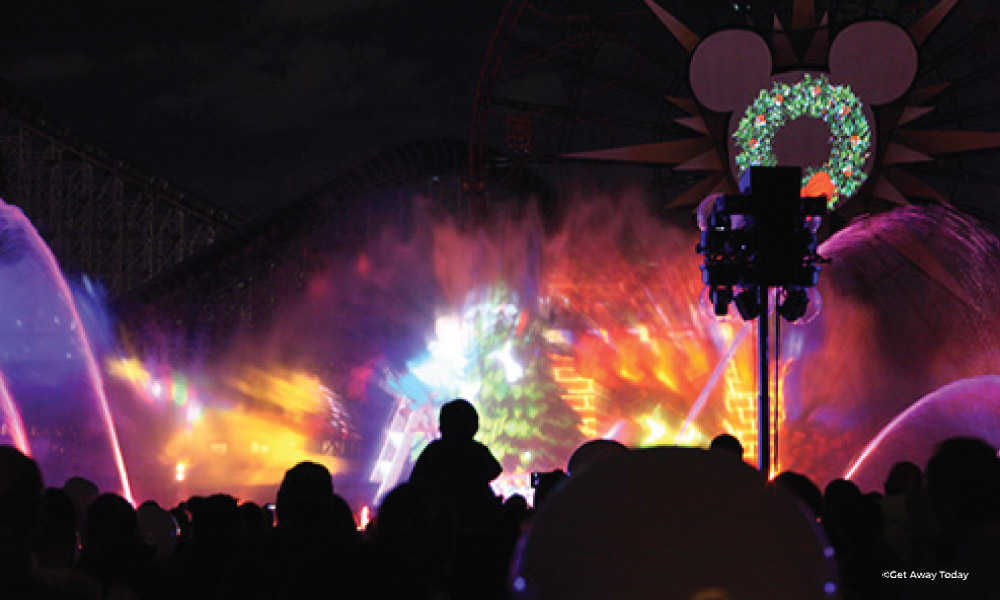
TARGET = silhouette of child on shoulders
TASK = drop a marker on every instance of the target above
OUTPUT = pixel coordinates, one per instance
(457, 466)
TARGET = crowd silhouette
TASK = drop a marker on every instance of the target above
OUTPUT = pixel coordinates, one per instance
(444, 534)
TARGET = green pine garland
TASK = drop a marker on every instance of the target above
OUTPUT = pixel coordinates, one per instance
(815, 98)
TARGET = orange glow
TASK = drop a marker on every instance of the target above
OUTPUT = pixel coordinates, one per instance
(241, 432)
(294, 392)
(231, 450)
(581, 394)
(293, 399)
(741, 404)
(625, 372)
(819, 184)
(129, 369)
(664, 377)
(649, 349)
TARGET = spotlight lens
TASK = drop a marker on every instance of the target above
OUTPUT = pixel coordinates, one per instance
(709, 305)
(748, 304)
(800, 306)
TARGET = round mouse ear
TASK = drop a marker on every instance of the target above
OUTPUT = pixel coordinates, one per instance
(728, 68)
(877, 59)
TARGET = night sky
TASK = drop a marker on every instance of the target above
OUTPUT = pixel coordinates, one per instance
(246, 102)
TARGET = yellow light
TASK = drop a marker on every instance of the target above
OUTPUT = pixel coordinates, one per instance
(259, 450)
(741, 404)
(657, 430)
(581, 393)
(691, 437)
(630, 375)
(129, 369)
(300, 395)
(663, 377)
(556, 336)
(180, 471)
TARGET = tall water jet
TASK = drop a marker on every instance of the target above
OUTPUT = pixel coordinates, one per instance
(12, 424)
(967, 408)
(54, 393)
(911, 304)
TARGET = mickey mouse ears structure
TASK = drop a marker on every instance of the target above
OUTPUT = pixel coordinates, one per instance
(842, 108)
(877, 59)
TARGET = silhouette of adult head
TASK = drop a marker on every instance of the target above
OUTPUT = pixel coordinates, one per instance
(216, 536)
(158, 529)
(314, 530)
(659, 523)
(343, 528)
(963, 481)
(416, 521)
(305, 493)
(838, 496)
(112, 525)
(20, 498)
(415, 531)
(590, 452)
(112, 553)
(82, 492)
(727, 443)
(904, 478)
(458, 420)
(255, 523)
(515, 508)
(804, 489)
(837, 493)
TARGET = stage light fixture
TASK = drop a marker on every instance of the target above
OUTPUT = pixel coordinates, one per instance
(799, 306)
(713, 303)
(794, 305)
(747, 303)
(760, 240)
(721, 297)
(763, 238)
